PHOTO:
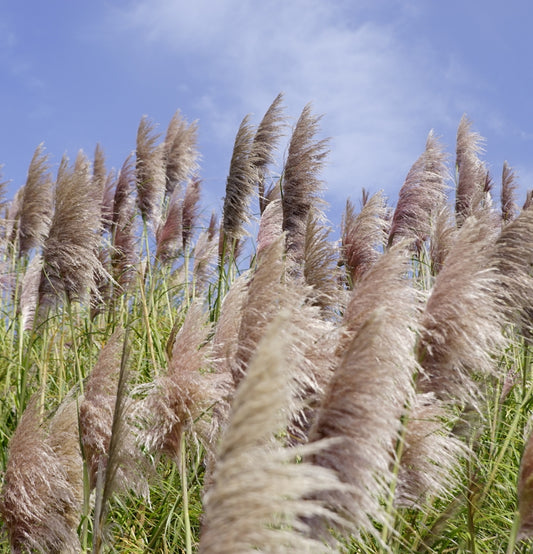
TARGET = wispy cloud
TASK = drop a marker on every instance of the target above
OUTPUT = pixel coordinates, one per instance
(373, 89)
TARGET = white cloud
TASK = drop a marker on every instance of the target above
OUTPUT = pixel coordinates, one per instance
(379, 95)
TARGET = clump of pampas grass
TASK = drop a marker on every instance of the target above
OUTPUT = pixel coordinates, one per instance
(260, 498)
(376, 369)
(461, 327)
(180, 399)
(104, 401)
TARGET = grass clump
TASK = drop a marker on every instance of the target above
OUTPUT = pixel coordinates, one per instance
(171, 384)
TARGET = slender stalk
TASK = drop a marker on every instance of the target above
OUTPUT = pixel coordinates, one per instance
(74, 344)
(400, 446)
(185, 496)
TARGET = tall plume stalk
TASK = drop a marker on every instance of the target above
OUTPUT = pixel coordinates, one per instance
(124, 256)
(70, 261)
(442, 238)
(205, 252)
(384, 282)
(97, 412)
(264, 144)
(376, 370)
(363, 235)
(239, 185)
(149, 172)
(180, 152)
(265, 296)
(99, 175)
(190, 211)
(180, 399)
(430, 461)
(471, 172)
(422, 195)
(169, 239)
(107, 436)
(320, 269)
(301, 184)
(35, 211)
(38, 500)
(260, 499)
(513, 258)
(509, 186)
(462, 320)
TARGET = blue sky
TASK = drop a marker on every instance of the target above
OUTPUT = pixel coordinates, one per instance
(382, 73)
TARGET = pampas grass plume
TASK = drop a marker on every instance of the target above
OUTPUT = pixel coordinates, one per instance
(260, 498)
(35, 211)
(149, 172)
(363, 235)
(38, 500)
(362, 409)
(301, 182)
(239, 184)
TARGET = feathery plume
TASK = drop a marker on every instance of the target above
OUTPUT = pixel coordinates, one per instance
(108, 196)
(70, 261)
(239, 184)
(180, 151)
(528, 202)
(225, 339)
(177, 400)
(260, 498)
(149, 172)
(509, 186)
(320, 265)
(384, 282)
(37, 499)
(64, 438)
(29, 295)
(98, 411)
(430, 462)
(472, 174)
(264, 144)
(190, 210)
(376, 370)
(301, 184)
(12, 220)
(266, 295)
(363, 235)
(99, 175)
(461, 323)
(312, 357)
(169, 240)
(442, 238)
(205, 252)
(270, 225)
(35, 210)
(225, 344)
(513, 257)
(124, 255)
(422, 195)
